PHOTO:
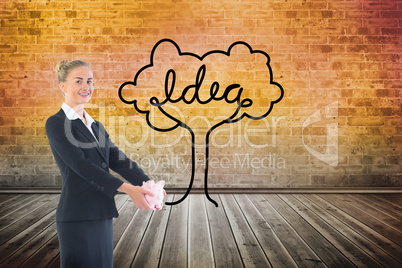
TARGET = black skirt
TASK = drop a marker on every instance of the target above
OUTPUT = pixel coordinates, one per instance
(86, 243)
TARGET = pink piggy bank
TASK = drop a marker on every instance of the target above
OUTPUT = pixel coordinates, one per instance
(155, 201)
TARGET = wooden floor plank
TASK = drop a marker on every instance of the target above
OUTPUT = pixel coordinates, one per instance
(150, 249)
(19, 202)
(325, 250)
(30, 248)
(301, 253)
(7, 198)
(341, 202)
(251, 252)
(120, 200)
(44, 255)
(276, 252)
(126, 213)
(200, 252)
(226, 253)
(394, 198)
(12, 230)
(174, 252)
(378, 246)
(127, 246)
(12, 201)
(387, 206)
(303, 230)
(376, 210)
(55, 263)
(18, 241)
(329, 228)
(25, 210)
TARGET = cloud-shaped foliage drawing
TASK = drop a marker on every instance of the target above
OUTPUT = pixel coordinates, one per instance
(222, 86)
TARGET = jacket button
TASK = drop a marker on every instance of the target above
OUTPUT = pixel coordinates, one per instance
(104, 165)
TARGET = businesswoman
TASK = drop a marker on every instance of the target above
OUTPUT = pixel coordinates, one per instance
(84, 153)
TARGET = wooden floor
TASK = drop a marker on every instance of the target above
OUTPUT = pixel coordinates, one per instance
(284, 230)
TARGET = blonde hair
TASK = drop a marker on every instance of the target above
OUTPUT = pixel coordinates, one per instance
(64, 67)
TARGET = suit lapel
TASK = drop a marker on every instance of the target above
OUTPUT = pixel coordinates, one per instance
(100, 135)
(78, 124)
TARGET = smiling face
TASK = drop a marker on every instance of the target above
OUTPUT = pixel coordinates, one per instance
(78, 87)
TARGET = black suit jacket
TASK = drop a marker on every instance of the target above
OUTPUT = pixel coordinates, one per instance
(88, 188)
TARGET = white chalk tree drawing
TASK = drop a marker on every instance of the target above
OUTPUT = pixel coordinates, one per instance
(222, 86)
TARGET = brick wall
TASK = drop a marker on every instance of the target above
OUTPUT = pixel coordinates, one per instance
(339, 62)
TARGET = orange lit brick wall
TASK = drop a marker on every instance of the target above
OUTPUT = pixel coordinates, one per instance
(339, 62)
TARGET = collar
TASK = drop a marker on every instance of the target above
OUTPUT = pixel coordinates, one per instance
(72, 115)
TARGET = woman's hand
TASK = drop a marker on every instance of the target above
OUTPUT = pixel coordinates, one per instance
(137, 195)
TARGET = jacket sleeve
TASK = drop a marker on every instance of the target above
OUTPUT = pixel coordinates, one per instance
(73, 157)
(124, 166)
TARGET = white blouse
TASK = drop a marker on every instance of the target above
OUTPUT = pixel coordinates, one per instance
(72, 115)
